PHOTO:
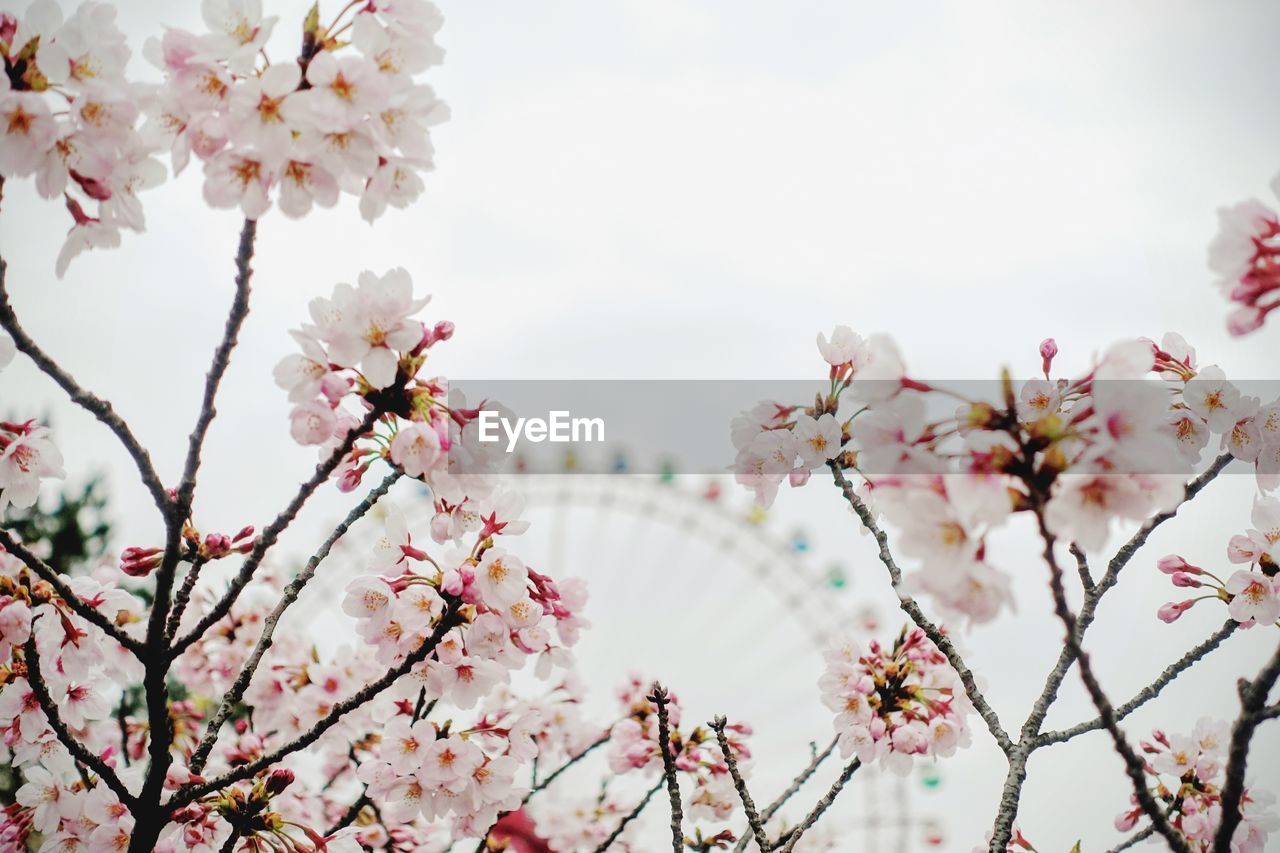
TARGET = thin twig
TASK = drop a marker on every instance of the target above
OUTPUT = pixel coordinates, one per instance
(270, 534)
(659, 699)
(183, 597)
(632, 815)
(448, 621)
(1135, 767)
(99, 408)
(796, 785)
(218, 368)
(1151, 691)
(598, 742)
(287, 597)
(912, 609)
(748, 806)
(79, 606)
(825, 803)
(1017, 774)
(1253, 698)
(1082, 567)
(78, 750)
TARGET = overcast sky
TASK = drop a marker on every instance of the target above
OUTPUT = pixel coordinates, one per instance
(655, 189)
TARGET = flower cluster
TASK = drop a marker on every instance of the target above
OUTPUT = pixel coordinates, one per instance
(1252, 594)
(70, 118)
(301, 132)
(27, 457)
(635, 744)
(949, 465)
(1245, 256)
(363, 345)
(346, 116)
(501, 612)
(83, 672)
(894, 704)
(1186, 771)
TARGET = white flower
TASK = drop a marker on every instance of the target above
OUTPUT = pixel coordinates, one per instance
(817, 440)
(312, 422)
(501, 578)
(1213, 398)
(259, 110)
(1254, 598)
(239, 32)
(396, 182)
(27, 131)
(89, 234)
(343, 91)
(26, 460)
(50, 801)
(372, 325)
(238, 179)
(1232, 251)
(416, 448)
(1038, 398)
(845, 347)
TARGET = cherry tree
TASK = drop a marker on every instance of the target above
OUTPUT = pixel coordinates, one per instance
(154, 704)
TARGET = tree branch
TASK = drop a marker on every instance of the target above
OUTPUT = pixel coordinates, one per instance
(271, 533)
(1012, 792)
(634, 813)
(221, 360)
(1151, 691)
(1135, 767)
(287, 598)
(448, 621)
(909, 606)
(78, 750)
(659, 699)
(1253, 698)
(822, 805)
(748, 806)
(183, 598)
(563, 767)
(795, 786)
(77, 604)
(99, 408)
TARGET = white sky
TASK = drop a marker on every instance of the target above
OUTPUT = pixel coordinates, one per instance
(660, 189)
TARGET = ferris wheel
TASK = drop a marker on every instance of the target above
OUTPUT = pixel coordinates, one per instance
(691, 582)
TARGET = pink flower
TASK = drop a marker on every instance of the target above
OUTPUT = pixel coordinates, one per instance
(1172, 611)
(846, 347)
(27, 131)
(1254, 598)
(416, 448)
(26, 458)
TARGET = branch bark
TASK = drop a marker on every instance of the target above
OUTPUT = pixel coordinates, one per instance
(825, 803)
(748, 806)
(1253, 710)
(659, 699)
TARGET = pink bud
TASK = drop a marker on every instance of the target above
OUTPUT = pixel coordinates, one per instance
(280, 778)
(798, 477)
(1127, 821)
(1185, 580)
(1173, 611)
(1173, 564)
(1048, 349)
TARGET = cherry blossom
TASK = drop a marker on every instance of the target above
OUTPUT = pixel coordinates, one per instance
(27, 456)
(892, 704)
(1186, 771)
(1243, 257)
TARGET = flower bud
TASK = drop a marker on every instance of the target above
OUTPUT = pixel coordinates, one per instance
(1173, 611)
(280, 778)
(1173, 564)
